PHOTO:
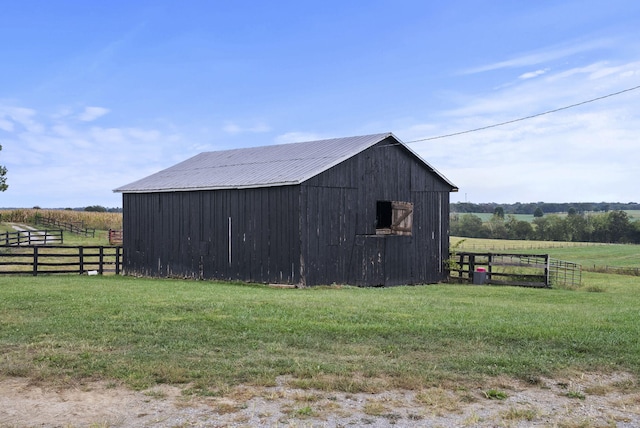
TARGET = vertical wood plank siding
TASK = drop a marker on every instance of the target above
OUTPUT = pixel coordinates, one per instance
(186, 234)
(338, 223)
(320, 232)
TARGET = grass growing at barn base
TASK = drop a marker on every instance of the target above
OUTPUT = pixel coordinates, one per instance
(213, 335)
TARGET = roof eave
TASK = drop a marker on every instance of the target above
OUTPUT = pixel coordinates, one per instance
(207, 188)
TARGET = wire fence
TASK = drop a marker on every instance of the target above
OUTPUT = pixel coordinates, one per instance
(525, 270)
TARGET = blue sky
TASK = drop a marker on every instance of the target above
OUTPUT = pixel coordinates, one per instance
(97, 94)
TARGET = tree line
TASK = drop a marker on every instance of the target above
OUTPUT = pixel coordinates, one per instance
(545, 207)
(610, 227)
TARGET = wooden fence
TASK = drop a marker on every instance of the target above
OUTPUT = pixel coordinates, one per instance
(32, 237)
(76, 227)
(52, 259)
(526, 270)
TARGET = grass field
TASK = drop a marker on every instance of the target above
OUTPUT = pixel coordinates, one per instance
(211, 336)
(587, 254)
(100, 219)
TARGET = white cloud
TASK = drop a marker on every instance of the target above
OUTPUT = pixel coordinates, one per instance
(233, 128)
(545, 55)
(297, 137)
(533, 74)
(6, 125)
(24, 118)
(59, 161)
(585, 153)
(92, 113)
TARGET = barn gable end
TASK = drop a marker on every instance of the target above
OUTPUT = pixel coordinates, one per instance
(371, 212)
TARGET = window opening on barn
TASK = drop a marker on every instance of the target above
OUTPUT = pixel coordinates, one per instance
(394, 218)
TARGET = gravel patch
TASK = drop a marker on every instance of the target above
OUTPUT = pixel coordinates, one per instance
(585, 400)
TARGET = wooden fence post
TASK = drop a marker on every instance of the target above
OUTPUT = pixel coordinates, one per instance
(547, 271)
(35, 261)
(117, 260)
(81, 257)
(101, 262)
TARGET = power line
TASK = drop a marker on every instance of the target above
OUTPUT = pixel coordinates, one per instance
(526, 117)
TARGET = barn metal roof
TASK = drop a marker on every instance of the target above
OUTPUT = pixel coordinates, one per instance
(275, 165)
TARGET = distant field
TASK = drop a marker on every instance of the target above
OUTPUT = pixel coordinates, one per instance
(586, 253)
(91, 220)
(487, 216)
(634, 214)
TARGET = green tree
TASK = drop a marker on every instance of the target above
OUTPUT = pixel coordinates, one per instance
(470, 226)
(578, 228)
(550, 228)
(518, 229)
(538, 213)
(496, 227)
(96, 209)
(556, 228)
(618, 226)
(3, 177)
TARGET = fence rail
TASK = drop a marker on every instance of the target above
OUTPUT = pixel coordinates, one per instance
(76, 227)
(53, 259)
(525, 270)
(32, 237)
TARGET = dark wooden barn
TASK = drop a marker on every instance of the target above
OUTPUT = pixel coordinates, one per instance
(361, 210)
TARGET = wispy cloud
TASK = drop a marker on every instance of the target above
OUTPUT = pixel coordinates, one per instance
(297, 137)
(16, 118)
(92, 113)
(532, 74)
(45, 154)
(541, 56)
(583, 151)
(234, 128)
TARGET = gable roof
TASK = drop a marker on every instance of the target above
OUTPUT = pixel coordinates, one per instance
(266, 166)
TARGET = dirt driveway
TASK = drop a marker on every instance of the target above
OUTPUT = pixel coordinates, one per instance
(583, 400)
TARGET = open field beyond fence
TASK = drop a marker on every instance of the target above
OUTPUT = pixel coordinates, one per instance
(621, 258)
(90, 220)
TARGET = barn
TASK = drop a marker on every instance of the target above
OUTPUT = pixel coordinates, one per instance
(364, 210)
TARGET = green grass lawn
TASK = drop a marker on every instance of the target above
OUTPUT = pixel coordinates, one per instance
(214, 335)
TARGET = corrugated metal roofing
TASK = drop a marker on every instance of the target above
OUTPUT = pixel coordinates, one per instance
(276, 165)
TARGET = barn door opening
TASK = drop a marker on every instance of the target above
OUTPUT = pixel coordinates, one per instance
(394, 218)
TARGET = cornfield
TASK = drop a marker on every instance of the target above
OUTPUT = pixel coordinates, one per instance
(90, 220)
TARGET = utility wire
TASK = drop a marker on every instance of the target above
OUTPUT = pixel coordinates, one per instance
(526, 117)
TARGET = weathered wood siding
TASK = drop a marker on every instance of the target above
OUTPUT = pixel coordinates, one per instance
(247, 235)
(338, 223)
